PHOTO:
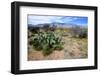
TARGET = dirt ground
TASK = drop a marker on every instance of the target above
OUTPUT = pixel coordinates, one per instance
(74, 48)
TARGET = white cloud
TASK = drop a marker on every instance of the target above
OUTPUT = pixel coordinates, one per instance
(42, 19)
(69, 19)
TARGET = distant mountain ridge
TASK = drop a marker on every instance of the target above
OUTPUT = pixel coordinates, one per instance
(61, 25)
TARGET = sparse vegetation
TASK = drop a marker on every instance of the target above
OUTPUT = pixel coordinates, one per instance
(79, 32)
(48, 39)
(46, 42)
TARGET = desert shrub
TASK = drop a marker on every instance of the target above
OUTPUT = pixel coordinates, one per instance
(46, 42)
(53, 28)
(34, 29)
(75, 31)
(46, 27)
(83, 33)
(79, 32)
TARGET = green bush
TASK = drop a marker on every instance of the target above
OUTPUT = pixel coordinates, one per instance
(46, 42)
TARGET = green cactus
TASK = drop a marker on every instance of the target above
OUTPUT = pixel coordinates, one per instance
(46, 42)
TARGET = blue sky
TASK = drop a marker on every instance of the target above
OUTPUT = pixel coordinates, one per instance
(77, 20)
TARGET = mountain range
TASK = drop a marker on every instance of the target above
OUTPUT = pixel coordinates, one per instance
(59, 25)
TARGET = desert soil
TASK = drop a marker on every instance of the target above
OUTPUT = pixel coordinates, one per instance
(74, 48)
